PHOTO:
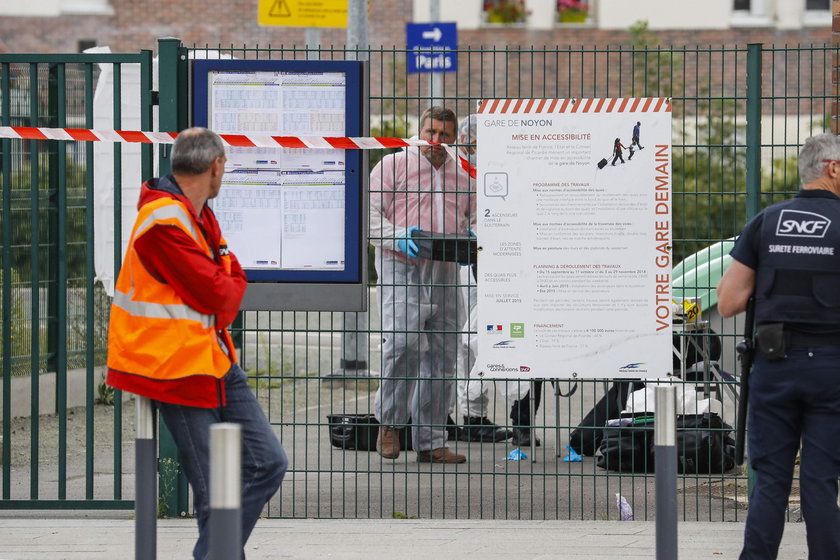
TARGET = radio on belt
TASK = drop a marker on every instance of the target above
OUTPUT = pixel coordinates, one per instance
(459, 248)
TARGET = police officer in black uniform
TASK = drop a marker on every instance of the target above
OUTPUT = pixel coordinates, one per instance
(789, 257)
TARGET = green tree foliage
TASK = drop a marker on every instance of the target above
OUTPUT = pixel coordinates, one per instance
(389, 119)
(654, 70)
(709, 158)
(33, 248)
(24, 201)
(389, 113)
(20, 327)
(394, 127)
(709, 183)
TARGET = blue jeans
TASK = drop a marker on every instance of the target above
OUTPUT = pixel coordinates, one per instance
(264, 462)
(792, 401)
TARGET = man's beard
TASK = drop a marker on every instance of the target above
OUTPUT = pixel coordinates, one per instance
(436, 156)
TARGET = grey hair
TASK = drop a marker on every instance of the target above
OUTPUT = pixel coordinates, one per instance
(813, 152)
(467, 130)
(194, 151)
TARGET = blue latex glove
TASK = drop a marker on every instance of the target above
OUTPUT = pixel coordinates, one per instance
(573, 456)
(516, 455)
(407, 245)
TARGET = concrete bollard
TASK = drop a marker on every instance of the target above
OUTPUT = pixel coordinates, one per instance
(145, 499)
(665, 459)
(225, 523)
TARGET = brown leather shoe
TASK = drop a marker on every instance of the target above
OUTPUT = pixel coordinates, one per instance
(440, 455)
(388, 442)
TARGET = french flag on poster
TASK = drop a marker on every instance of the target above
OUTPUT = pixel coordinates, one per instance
(494, 328)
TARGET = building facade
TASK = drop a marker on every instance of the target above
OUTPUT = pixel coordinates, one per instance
(127, 25)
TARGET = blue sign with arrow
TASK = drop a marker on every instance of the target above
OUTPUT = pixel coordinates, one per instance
(433, 47)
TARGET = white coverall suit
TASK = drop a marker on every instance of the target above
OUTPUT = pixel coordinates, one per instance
(473, 392)
(418, 297)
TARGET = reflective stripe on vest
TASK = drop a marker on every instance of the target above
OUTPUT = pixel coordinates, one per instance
(160, 310)
(167, 212)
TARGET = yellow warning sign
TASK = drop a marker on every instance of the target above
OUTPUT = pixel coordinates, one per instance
(303, 13)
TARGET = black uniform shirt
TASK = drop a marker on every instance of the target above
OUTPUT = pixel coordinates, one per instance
(747, 249)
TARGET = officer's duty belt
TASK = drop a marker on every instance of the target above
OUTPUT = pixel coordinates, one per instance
(797, 338)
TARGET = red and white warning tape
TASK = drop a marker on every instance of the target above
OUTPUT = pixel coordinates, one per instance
(495, 106)
(86, 135)
(235, 140)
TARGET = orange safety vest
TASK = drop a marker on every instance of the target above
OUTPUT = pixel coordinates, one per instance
(153, 334)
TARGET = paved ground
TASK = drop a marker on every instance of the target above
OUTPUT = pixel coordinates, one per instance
(486, 509)
(101, 539)
(328, 482)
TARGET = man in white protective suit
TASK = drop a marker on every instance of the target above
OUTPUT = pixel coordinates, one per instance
(418, 189)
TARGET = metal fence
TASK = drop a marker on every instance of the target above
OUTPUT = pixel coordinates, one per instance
(739, 116)
(54, 313)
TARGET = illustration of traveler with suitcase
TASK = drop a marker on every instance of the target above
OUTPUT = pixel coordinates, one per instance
(617, 147)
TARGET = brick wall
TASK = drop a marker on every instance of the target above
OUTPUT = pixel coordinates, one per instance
(137, 24)
(563, 62)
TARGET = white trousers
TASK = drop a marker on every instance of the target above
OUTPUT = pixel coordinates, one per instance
(418, 306)
(473, 391)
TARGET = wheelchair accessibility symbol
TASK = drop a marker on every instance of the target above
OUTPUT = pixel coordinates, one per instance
(496, 184)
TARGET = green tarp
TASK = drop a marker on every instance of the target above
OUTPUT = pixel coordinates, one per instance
(697, 276)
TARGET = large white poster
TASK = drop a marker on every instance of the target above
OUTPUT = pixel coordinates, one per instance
(574, 226)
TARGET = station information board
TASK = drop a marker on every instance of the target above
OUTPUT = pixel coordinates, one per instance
(292, 216)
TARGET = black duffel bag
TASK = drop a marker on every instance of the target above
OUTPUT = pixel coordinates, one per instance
(359, 432)
(586, 437)
(704, 445)
(627, 446)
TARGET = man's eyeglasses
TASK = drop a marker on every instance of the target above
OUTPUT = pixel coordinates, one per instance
(831, 161)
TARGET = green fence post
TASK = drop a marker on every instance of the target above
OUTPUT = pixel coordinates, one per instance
(173, 91)
(6, 276)
(172, 116)
(90, 310)
(35, 281)
(754, 51)
(60, 251)
(57, 284)
(52, 226)
(146, 101)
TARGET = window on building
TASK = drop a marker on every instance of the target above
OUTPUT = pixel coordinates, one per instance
(94, 7)
(505, 11)
(56, 8)
(750, 12)
(824, 5)
(817, 13)
(573, 11)
(751, 7)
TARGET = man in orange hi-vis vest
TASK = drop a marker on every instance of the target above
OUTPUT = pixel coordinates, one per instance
(178, 289)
